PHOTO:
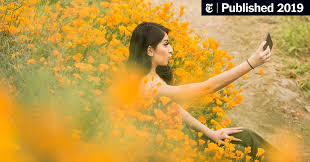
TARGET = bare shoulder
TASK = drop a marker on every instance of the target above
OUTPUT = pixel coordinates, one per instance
(152, 85)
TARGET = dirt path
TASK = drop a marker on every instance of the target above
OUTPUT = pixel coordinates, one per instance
(271, 101)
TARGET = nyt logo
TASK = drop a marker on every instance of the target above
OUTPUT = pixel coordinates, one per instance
(209, 7)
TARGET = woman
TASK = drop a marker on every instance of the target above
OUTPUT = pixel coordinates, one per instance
(150, 50)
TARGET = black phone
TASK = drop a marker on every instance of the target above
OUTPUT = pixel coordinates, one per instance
(268, 42)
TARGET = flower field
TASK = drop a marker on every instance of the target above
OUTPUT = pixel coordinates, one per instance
(66, 96)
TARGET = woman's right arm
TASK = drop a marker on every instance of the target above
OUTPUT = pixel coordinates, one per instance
(192, 90)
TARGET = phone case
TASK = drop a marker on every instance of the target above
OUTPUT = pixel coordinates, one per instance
(269, 42)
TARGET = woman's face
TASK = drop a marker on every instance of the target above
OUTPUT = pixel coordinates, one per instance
(162, 53)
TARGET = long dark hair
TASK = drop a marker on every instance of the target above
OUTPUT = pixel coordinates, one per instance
(147, 34)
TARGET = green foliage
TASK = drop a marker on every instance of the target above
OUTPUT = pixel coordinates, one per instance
(294, 36)
(302, 69)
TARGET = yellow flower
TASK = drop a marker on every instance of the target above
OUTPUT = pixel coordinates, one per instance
(87, 108)
(31, 61)
(200, 134)
(52, 91)
(159, 84)
(247, 149)
(145, 80)
(219, 102)
(42, 59)
(13, 56)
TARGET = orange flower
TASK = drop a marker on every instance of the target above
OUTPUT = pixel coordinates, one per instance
(42, 59)
(201, 142)
(77, 57)
(202, 119)
(260, 152)
(92, 78)
(97, 92)
(122, 29)
(231, 104)
(269, 82)
(165, 100)
(247, 158)
(211, 147)
(213, 44)
(87, 108)
(205, 44)
(238, 99)
(180, 72)
(159, 138)
(181, 11)
(56, 53)
(91, 59)
(103, 67)
(261, 72)
(104, 4)
(77, 76)
(159, 114)
(208, 99)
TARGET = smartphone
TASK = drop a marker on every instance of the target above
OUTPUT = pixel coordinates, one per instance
(268, 42)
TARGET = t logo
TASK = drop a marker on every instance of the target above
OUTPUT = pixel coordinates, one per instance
(209, 8)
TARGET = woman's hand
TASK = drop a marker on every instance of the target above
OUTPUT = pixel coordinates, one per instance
(260, 56)
(224, 133)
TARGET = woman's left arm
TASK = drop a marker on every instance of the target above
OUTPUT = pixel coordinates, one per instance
(216, 136)
(194, 123)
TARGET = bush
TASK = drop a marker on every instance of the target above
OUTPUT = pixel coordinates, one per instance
(78, 46)
(294, 36)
